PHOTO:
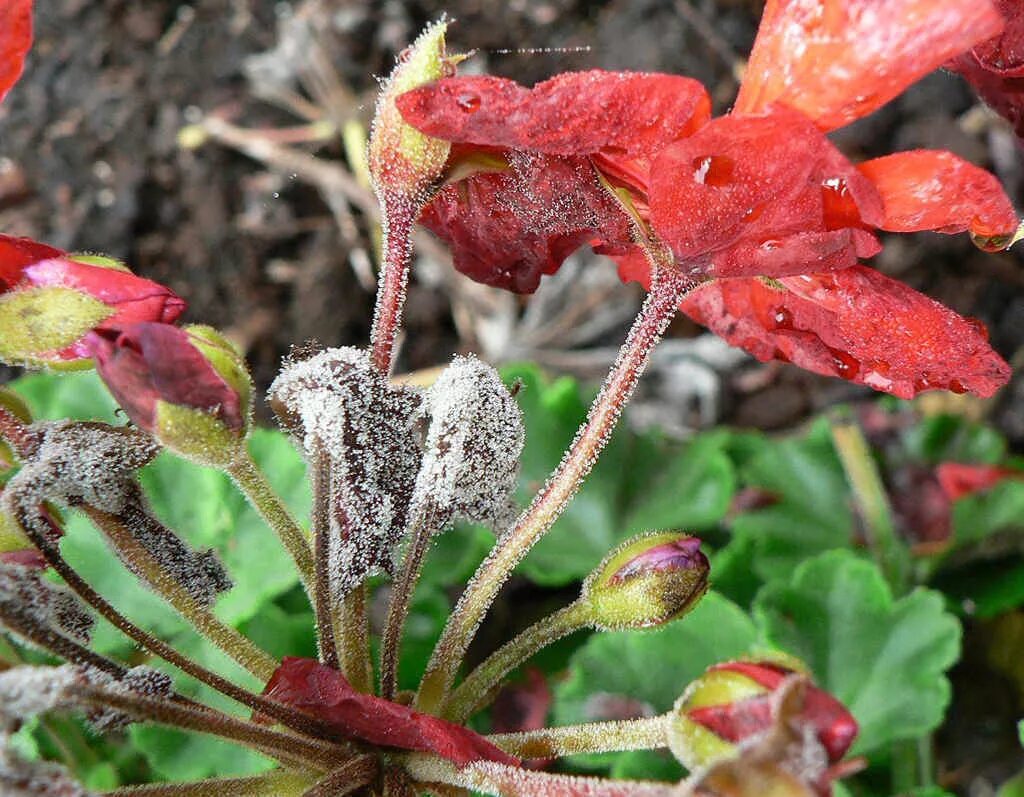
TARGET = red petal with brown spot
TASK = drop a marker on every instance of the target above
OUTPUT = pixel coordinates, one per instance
(837, 62)
(856, 324)
(934, 190)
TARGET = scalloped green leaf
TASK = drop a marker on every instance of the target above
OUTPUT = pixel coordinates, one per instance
(884, 658)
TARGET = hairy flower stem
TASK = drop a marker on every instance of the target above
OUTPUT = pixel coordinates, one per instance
(321, 523)
(473, 693)
(592, 737)
(872, 501)
(287, 748)
(17, 433)
(60, 645)
(668, 288)
(355, 634)
(350, 776)
(283, 714)
(396, 252)
(228, 639)
(253, 483)
(279, 783)
(402, 590)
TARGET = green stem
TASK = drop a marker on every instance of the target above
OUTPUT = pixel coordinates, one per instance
(472, 694)
(323, 603)
(280, 783)
(667, 290)
(402, 589)
(253, 483)
(355, 635)
(234, 644)
(648, 733)
(871, 500)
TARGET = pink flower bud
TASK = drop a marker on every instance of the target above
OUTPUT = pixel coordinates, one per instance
(188, 387)
(647, 581)
(50, 301)
(733, 701)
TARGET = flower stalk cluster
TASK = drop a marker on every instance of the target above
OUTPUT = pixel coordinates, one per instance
(752, 223)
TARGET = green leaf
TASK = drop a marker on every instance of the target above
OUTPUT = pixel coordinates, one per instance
(652, 667)
(885, 659)
(976, 517)
(80, 395)
(812, 513)
(647, 765)
(952, 438)
(179, 756)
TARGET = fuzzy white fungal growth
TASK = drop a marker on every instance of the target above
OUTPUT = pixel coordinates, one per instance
(21, 778)
(335, 402)
(142, 681)
(474, 440)
(26, 692)
(29, 601)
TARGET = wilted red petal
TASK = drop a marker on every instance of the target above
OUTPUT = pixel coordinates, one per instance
(856, 324)
(959, 479)
(934, 190)
(145, 362)
(15, 41)
(574, 113)
(324, 693)
(508, 228)
(838, 61)
(757, 179)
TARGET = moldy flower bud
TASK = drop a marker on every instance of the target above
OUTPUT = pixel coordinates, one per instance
(188, 387)
(647, 581)
(403, 161)
(50, 301)
(734, 701)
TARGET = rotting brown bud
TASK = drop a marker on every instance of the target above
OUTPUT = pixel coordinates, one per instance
(648, 580)
(28, 601)
(474, 439)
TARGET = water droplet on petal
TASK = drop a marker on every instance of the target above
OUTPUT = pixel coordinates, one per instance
(847, 366)
(958, 387)
(782, 318)
(468, 101)
(837, 205)
(992, 243)
(713, 170)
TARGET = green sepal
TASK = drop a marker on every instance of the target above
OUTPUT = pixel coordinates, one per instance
(35, 322)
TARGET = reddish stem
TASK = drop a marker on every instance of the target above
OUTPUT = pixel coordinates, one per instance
(398, 218)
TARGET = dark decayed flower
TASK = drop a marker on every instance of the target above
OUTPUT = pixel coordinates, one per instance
(758, 203)
(50, 300)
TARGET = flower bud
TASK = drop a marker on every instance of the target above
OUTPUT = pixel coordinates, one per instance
(403, 161)
(188, 387)
(647, 581)
(50, 301)
(734, 701)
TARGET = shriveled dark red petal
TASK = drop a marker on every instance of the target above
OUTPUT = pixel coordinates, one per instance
(839, 61)
(324, 693)
(755, 179)
(146, 362)
(935, 190)
(959, 479)
(1005, 95)
(1003, 55)
(15, 41)
(16, 254)
(856, 324)
(508, 228)
(574, 113)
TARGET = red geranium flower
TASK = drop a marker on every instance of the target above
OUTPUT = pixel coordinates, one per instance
(15, 41)
(757, 203)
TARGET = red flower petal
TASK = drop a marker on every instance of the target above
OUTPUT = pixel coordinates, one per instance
(856, 324)
(756, 180)
(574, 113)
(146, 362)
(324, 693)
(799, 253)
(958, 479)
(934, 190)
(15, 41)
(508, 228)
(16, 254)
(839, 61)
